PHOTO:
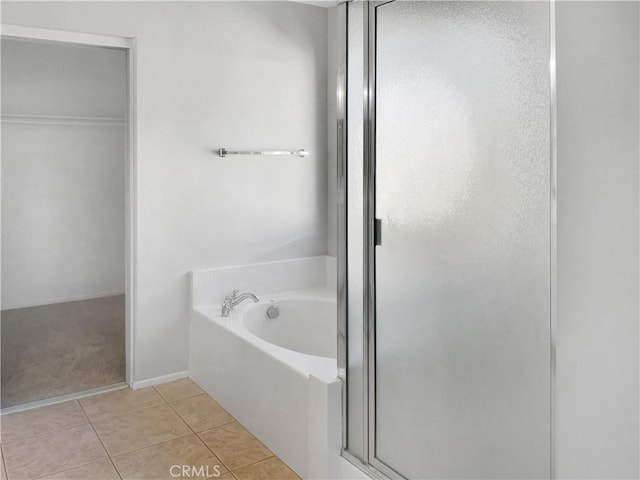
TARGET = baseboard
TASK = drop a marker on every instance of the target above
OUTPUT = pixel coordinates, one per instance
(150, 382)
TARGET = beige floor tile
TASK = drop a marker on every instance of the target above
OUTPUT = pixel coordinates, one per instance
(100, 470)
(140, 429)
(183, 388)
(226, 476)
(119, 402)
(41, 420)
(270, 469)
(234, 445)
(3, 471)
(155, 463)
(202, 412)
(52, 452)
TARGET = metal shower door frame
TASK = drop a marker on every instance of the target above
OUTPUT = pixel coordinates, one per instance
(369, 240)
(370, 463)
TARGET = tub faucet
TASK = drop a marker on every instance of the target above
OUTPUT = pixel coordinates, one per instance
(234, 299)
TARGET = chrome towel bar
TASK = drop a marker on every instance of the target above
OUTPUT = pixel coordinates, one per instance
(223, 152)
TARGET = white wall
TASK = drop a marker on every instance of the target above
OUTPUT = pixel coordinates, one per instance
(211, 75)
(63, 191)
(597, 324)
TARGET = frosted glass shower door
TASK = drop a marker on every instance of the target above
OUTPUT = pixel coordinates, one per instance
(463, 271)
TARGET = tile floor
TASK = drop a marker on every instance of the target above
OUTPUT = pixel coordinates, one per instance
(135, 434)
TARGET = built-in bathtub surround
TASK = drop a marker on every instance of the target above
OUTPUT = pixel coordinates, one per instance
(209, 287)
(278, 376)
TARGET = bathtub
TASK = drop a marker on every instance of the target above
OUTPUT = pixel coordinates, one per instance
(306, 324)
(276, 376)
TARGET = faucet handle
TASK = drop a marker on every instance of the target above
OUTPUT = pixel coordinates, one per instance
(235, 292)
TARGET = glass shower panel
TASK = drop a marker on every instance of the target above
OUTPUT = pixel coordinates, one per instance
(462, 274)
(355, 222)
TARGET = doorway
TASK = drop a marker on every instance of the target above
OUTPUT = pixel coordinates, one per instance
(67, 234)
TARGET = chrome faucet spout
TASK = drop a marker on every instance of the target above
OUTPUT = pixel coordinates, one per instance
(243, 296)
(231, 301)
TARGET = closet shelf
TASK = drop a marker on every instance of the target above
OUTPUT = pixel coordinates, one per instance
(10, 118)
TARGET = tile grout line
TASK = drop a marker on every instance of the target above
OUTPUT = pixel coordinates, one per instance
(202, 392)
(101, 442)
(4, 466)
(53, 401)
(139, 448)
(88, 419)
(49, 431)
(191, 428)
(256, 438)
(273, 455)
(45, 433)
(217, 426)
(66, 470)
(109, 455)
(211, 450)
(128, 412)
(145, 447)
(264, 460)
(197, 434)
(75, 466)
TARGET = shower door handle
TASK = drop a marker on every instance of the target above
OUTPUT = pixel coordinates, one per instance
(377, 232)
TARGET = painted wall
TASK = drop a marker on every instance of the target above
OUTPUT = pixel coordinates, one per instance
(597, 324)
(63, 207)
(210, 75)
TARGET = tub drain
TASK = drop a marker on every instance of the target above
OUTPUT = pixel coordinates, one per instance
(273, 312)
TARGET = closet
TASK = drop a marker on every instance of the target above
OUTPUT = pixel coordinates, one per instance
(63, 219)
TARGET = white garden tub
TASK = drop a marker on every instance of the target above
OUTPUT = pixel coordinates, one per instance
(276, 376)
(306, 323)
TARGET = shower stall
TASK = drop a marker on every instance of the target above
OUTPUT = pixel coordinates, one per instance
(448, 237)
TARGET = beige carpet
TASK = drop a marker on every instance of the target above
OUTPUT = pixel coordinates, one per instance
(63, 348)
